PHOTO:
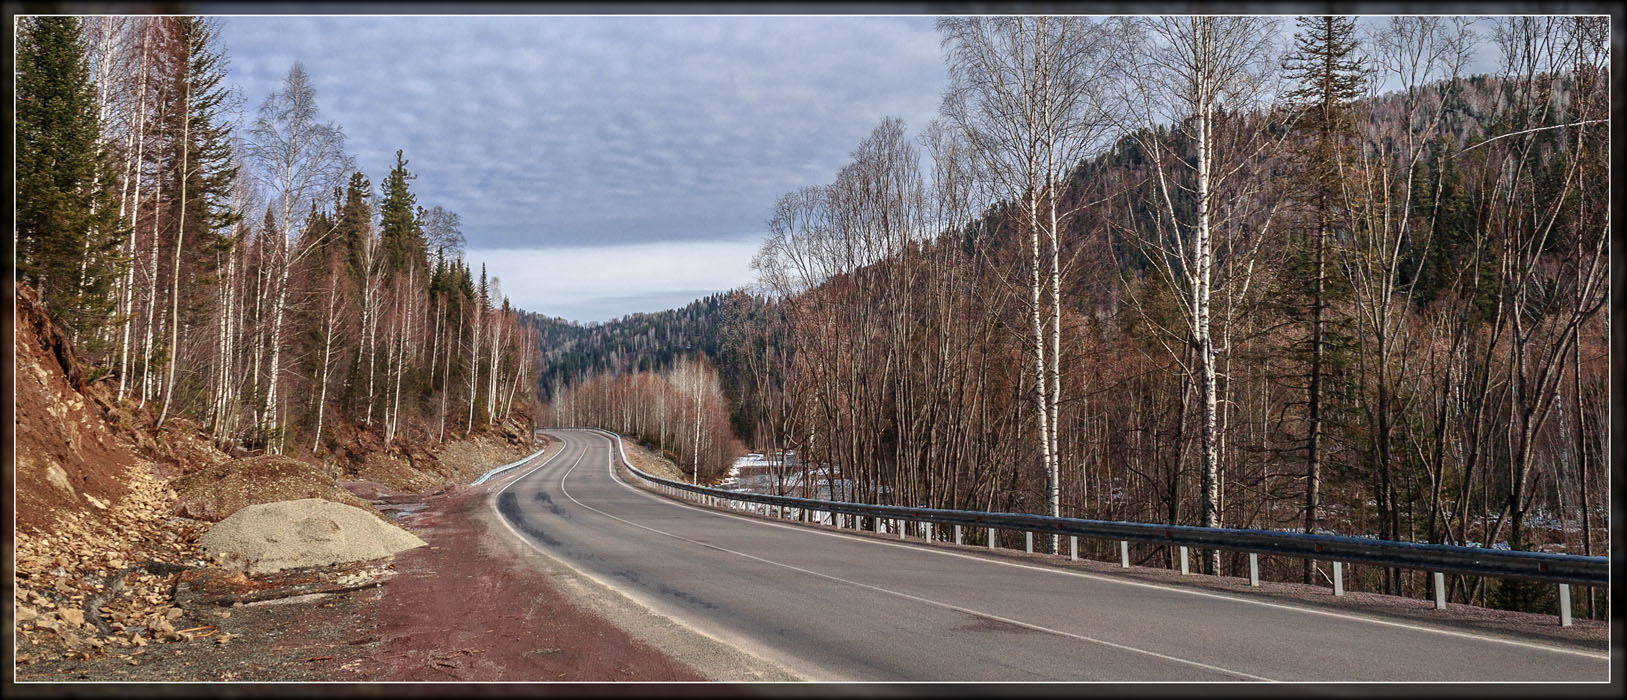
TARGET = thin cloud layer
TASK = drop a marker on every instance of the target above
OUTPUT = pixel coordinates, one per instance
(551, 131)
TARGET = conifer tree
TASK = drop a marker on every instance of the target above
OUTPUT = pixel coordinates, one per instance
(1329, 76)
(399, 228)
(205, 171)
(68, 230)
(355, 216)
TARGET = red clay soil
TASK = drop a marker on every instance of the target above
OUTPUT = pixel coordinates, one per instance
(453, 611)
(66, 454)
(457, 612)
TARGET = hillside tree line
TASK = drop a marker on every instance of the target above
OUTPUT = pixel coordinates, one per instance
(1222, 271)
(234, 268)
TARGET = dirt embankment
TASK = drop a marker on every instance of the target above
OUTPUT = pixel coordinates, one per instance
(71, 469)
(458, 609)
(217, 491)
(110, 582)
(96, 548)
(418, 460)
(650, 463)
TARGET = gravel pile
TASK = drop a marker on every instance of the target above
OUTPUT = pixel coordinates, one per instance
(308, 532)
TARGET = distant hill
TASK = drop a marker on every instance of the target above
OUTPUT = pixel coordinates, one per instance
(640, 342)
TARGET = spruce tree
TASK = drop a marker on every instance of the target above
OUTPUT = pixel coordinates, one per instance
(399, 229)
(210, 168)
(1329, 76)
(355, 217)
(68, 233)
(203, 172)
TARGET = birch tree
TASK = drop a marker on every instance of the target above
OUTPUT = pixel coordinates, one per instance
(297, 158)
(1200, 75)
(1023, 91)
(206, 168)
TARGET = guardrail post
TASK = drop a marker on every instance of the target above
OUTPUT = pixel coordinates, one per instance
(1338, 578)
(991, 538)
(1124, 553)
(1564, 605)
(1073, 543)
(958, 539)
(1028, 537)
(1253, 568)
(1440, 590)
(877, 522)
(902, 525)
(1184, 570)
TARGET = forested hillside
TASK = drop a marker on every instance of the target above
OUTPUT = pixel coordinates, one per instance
(1175, 270)
(572, 352)
(232, 266)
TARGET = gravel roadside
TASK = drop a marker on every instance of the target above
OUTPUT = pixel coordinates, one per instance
(464, 608)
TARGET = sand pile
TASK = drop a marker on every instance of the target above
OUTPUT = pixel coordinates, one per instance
(308, 532)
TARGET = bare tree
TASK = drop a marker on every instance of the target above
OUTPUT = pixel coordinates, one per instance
(297, 159)
(1023, 91)
(444, 230)
(1550, 214)
(1381, 201)
(1199, 76)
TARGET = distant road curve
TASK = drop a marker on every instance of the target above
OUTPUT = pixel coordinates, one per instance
(839, 607)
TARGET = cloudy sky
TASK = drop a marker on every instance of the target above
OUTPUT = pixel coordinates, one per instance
(607, 165)
(602, 165)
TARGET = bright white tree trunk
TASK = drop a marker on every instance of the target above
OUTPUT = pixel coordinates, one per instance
(133, 173)
(180, 238)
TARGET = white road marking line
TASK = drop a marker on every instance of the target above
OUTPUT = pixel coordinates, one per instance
(900, 594)
(639, 599)
(1109, 579)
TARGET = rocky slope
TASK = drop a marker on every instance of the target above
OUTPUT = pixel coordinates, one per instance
(109, 507)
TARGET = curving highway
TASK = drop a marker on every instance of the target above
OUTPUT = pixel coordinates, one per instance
(839, 607)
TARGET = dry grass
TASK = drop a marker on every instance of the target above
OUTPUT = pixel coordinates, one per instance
(651, 463)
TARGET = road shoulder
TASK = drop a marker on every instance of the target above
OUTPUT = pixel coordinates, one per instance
(711, 658)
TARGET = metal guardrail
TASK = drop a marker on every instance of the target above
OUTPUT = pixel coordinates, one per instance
(1562, 569)
(506, 467)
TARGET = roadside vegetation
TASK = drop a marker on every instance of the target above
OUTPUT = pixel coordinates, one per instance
(1223, 271)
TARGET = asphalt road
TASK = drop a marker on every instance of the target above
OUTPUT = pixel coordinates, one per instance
(840, 607)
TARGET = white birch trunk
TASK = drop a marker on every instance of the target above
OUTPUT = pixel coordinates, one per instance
(180, 238)
(272, 419)
(133, 172)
